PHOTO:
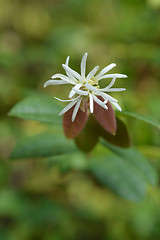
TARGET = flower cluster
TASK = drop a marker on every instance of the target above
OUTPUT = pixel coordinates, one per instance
(86, 87)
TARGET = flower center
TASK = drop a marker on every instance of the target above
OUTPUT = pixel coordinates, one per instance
(93, 82)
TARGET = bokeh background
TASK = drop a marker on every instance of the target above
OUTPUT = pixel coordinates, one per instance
(36, 200)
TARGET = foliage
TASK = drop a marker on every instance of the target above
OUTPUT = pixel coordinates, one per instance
(125, 174)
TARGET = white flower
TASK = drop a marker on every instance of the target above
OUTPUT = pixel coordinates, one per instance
(86, 87)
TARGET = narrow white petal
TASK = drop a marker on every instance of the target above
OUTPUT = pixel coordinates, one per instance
(90, 87)
(106, 96)
(72, 92)
(106, 69)
(117, 106)
(111, 76)
(69, 75)
(68, 100)
(69, 106)
(59, 75)
(81, 92)
(92, 73)
(99, 102)
(78, 86)
(91, 103)
(76, 109)
(67, 60)
(72, 72)
(63, 77)
(111, 83)
(55, 82)
(83, 65)
(114, 90)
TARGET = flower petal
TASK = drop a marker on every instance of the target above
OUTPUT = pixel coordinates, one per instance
(106, 69)
(76, 109)
(91, 103)
(106, 101)
(83, 65)
(69, 75)
(112, 76)
(106, 96)
(117, 106)
(92, 73)
(81, 92)
(111, 83)
(99, 102)
(114, 90)
(90, 87)
(55, 82)
(72, 92)
(68, 100)
(70, 105)
(67, 60)
(63, 77)
(109, 89)
(59, 75)
(72, 72)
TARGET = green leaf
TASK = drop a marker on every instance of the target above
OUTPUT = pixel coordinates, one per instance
(73, 161)
(88, 137)
(121, 137)
(120, 177)
(146, 119)
(38, 108)
(72, 129)
(42, 145)
(135, 159)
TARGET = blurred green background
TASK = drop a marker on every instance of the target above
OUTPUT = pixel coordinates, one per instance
(37, 201)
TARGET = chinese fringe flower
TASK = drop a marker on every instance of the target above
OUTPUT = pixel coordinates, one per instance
(85, 88)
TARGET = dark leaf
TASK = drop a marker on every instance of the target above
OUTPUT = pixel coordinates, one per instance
(72, 129)
(106, 118)
(88, 137)
(121, 137)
